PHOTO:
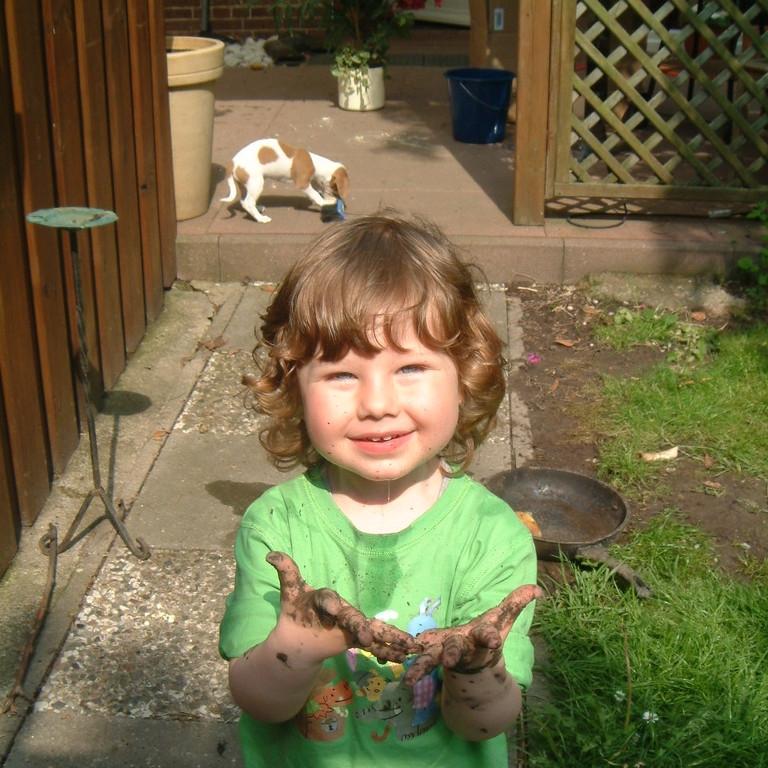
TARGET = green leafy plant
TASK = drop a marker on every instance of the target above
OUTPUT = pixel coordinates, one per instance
(357, 25)
(753, 270)
(352, 66)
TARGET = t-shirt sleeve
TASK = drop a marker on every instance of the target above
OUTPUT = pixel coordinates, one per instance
(253, 606)
(508, 562)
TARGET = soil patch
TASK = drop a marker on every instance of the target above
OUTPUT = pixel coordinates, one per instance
(559, 384)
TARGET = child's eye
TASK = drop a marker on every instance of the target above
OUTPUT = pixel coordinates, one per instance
(340, 376)
(414, 368)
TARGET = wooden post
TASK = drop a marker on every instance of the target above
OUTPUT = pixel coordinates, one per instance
(534, 29)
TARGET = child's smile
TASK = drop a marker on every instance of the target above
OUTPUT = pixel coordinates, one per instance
(384, 416)
(381, 444)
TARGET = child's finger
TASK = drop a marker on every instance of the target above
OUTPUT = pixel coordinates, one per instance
(455, 649)
(512, 605)
(486, 635)
(384, 652)
(423, 664)
(392, 636)
(291, 582)
(352, 622)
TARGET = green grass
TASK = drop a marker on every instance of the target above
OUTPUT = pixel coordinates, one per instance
(677, 680)
(715, 405)
(630, 328)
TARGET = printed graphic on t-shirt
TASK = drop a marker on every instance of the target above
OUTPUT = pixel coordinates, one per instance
(373, 693)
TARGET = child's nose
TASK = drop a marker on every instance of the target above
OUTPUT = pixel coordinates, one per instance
(378, 397)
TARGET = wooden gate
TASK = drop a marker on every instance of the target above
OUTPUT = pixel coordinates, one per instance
(648, 99)
(83, 121)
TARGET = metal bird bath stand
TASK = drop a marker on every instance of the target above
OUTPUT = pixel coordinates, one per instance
(73, 219)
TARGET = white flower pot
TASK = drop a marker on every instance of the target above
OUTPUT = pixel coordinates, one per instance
(362, 92)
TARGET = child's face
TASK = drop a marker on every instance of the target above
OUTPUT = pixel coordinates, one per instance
(385, 416)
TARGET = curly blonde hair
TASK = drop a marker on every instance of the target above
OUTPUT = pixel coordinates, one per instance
(375, 272)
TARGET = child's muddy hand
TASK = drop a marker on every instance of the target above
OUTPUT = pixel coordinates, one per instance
(474, 646)
(390, 643)
(325, 609)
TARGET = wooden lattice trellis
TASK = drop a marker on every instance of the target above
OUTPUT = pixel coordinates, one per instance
(663, 99)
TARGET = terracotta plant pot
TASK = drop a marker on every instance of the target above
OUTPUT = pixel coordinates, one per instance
(194, 65)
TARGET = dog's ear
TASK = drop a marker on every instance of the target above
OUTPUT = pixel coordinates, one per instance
(340, 183)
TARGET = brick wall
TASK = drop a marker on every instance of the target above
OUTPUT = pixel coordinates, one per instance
(234, 18)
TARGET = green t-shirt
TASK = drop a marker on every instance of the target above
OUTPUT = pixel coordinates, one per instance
(460, 558)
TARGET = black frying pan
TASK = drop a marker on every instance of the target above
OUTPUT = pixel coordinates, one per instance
(578, 516)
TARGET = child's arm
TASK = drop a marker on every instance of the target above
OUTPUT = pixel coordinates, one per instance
(480, 699)
(273, 680)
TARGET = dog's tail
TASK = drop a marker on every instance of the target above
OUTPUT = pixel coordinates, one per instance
(232, 184)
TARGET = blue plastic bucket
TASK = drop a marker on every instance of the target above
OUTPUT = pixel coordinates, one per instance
(479, 103)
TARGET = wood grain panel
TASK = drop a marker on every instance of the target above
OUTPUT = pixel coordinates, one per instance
(163, 154)
(19, 371)
(98, 173)
(534, 29)
(9, 521)
(64, 98)
(33, 142)
(123, 155)
(146, 165)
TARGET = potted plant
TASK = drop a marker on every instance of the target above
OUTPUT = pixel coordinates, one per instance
(361, 79)
(358, 34)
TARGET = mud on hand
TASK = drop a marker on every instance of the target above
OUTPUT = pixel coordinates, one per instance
(473, 646)
(324, 608)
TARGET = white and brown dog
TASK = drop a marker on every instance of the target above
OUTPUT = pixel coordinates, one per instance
(320, 179)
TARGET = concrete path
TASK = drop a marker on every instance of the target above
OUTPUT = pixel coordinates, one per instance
(127, 668)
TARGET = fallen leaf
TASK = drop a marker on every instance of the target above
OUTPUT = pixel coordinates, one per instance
(588, 309)
(699, 317)
(268, 287)
(565, 342)
(668, 455)
(160, 434)
(212, 344)
(553, 387)
(709, 462)
(713, 488)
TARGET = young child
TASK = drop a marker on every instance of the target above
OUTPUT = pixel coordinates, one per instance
(407, 644)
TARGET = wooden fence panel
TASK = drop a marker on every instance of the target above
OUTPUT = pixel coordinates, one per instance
(19, 372)
(144, 129)
(661, 100)
(9, 522)
(9, 517)
(106, 278)
(163, 152)
(123, 151)
(33, 137)
(84, 121)
(69, 163)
